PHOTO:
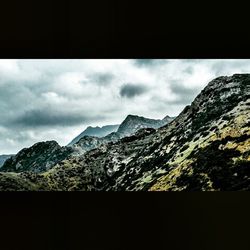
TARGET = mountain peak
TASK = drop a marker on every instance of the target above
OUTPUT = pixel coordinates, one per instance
(130, 116)
(95, 131)
(132, 123)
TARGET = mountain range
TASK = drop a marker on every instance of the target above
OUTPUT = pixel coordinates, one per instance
(95, 131)
(205, 148)
(42, 156)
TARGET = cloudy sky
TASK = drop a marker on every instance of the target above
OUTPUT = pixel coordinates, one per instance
(57, 99)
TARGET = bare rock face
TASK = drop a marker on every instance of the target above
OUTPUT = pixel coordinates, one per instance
(207, 147)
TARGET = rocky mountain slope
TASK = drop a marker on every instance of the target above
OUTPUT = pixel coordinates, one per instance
(3, 158)
(207, 147)
(95, 132)
(38, 158)
(88, 143)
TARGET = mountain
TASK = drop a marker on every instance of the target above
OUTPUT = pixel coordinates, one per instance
(45, 155)
(128, 127)
(95, 131)
(206, 147)
(132, 123)
(38, 158)
(87, 143)
(3, 158)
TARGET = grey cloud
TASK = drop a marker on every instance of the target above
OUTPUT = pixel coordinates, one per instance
(185, 94)
(25, 111)
(226, 66)
(102, 78)
(43, 117)
(130, 90)
(149, 62)
(189, 70)
(191, 60)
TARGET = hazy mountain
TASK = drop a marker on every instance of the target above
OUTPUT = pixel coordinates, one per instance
(3, 158)
(96, 132)
(206, 147)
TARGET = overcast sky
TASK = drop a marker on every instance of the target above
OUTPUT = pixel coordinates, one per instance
(57, 99)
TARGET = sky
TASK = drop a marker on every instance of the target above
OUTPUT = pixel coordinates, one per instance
(49, 99)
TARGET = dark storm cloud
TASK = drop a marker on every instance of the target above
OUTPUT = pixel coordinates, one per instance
(130, 90)
(40, 118)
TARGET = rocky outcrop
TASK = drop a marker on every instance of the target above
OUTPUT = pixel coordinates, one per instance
(39, 158)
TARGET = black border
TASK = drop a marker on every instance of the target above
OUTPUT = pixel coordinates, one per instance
(112, 29)
(123, 29)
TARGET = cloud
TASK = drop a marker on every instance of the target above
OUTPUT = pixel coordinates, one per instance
(57, 99)
(184, 94)
(102, 78)
(131, 90)
(40, 117)
(149, 62)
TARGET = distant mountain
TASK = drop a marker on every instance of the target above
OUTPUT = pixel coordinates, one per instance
(205, 148)
(87, 143)
(95, 131)
(128, 127)
(133, 123)
(3, 158)
(38, 158)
